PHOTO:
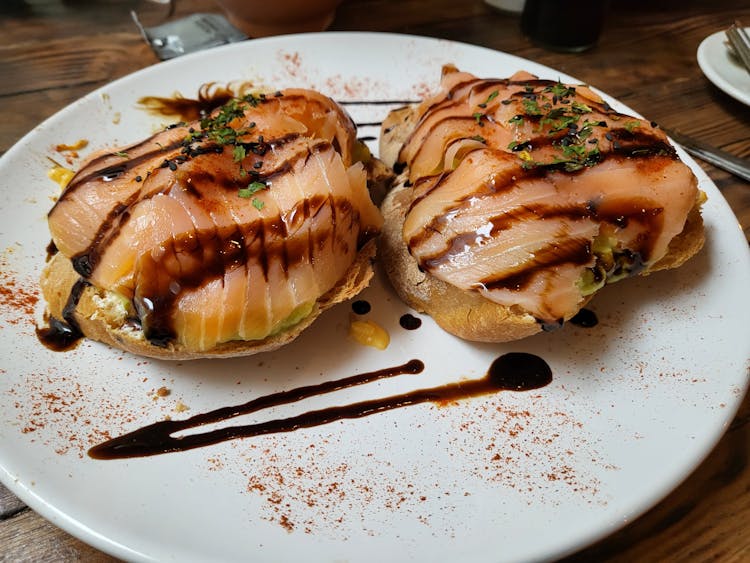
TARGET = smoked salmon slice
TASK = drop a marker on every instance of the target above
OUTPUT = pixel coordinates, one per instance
(533, 193)
(227, 228)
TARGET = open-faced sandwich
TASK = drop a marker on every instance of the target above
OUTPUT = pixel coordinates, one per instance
(222, 237)
(520, 198)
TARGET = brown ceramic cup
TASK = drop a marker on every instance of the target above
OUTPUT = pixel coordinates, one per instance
(261, 18)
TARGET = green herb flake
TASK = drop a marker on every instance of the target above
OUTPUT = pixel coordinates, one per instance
(491, 97)
(479, 138)
(556, 113)
(121, 154)
(580, 107)
(239, 153)
(573, 166)
(516, 120)
(478, 116)
(560, 90)
(193, 136)
(564, 123)
(251, 99)
(256, 186)
(223, 135)
(630, 125)
(574, 151)
(531, 107)
(258, 204)
(251, 189)
(584, 133)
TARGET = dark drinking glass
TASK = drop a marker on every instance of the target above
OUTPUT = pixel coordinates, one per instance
(563, 25)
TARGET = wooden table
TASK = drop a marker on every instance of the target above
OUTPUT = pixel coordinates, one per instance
(55, 51)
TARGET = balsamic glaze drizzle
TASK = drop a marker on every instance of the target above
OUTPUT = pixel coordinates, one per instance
(513, 372)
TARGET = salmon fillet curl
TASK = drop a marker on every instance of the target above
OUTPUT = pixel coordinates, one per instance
(230, 228)
(531, 194)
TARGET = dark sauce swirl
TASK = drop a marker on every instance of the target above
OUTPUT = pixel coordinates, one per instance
(63, 335)
(510, 372)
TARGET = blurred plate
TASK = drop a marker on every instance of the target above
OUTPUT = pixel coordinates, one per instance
(635, 404)
(720, 67)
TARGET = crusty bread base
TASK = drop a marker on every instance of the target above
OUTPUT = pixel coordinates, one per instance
(685, 245)
(467, 314)
(59, 277)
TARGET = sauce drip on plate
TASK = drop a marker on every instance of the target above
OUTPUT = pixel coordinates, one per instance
(585, 318)
(510, 372)
(410, 322)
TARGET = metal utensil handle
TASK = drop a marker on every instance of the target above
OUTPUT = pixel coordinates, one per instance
(740, 167)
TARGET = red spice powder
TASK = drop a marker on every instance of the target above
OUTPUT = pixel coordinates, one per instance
(18, 299)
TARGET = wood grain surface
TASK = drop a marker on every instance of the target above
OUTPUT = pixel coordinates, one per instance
(54, 51)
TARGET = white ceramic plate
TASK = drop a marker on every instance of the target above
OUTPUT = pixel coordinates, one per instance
(725, 71)
(635, 404)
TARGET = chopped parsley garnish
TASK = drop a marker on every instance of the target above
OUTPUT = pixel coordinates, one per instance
(258, 204)
(252, 188)
(630, 125)
(218, 128)
(531, 107)
(122, 154)
(223, 135)
(573, 151)
(491, 97)
(560, 90)
(239, 153)
(228, 112)
(560, 117)
(588, 128)
(252, 99)
(559, 120)
(580, 107)
(479, 138)
(478, 116)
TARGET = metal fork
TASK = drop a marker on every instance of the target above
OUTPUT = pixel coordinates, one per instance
(740, 42)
